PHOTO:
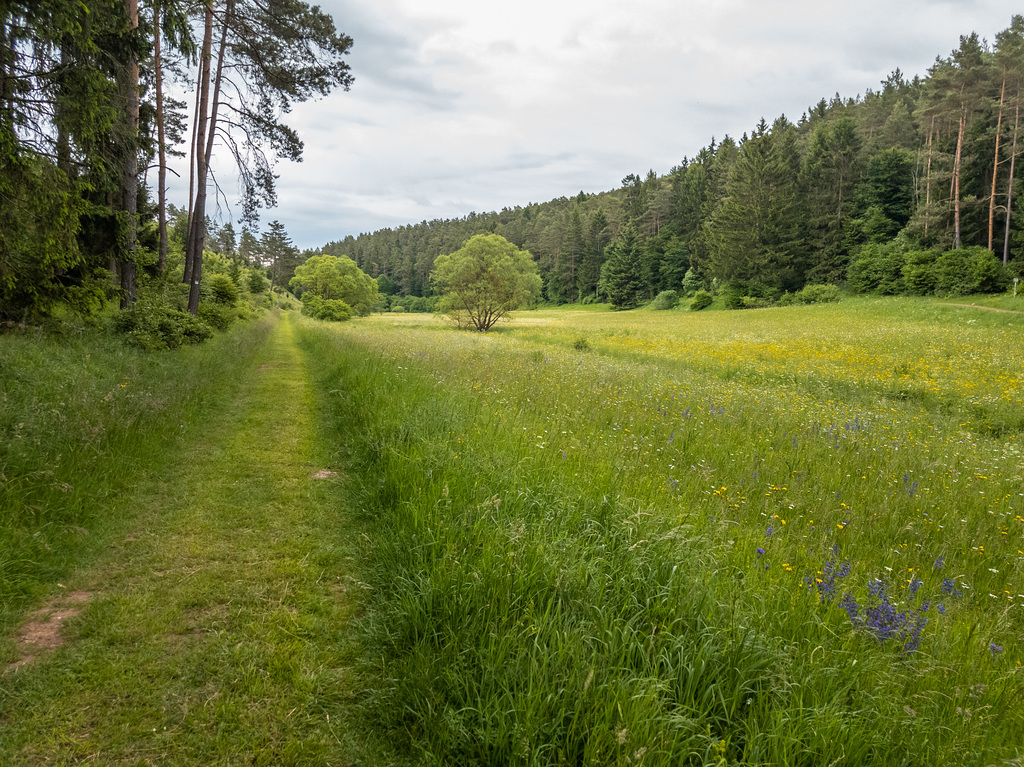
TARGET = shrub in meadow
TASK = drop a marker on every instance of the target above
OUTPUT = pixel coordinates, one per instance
(732, 297)
(666, 299)
(691, 282)
(328, 310)
(818, 294)
(877, 268)
(701, 300)
(986, 273)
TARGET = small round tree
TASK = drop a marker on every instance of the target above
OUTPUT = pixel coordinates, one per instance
(484, 280)
(333, 278)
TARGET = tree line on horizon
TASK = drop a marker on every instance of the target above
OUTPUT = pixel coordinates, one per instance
(877, 183)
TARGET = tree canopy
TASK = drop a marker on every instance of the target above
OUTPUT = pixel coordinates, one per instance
(485, 280)
(332, 278)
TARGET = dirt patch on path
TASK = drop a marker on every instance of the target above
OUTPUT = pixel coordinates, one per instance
(43, 628)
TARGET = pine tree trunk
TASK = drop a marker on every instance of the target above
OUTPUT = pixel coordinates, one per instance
(160, 139)
(928, 176)
(211, 131)
(1009, 183)
(197, 216)
(130, 170)
(956, 176)
(995, 166)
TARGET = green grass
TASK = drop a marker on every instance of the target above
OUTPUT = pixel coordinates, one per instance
(216, 632)
(636, 551)
(82, 419)
(565, 543)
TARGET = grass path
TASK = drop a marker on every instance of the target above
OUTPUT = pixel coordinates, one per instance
(216, 631)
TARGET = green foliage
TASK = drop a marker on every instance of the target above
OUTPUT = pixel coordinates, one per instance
(878, 268)
(919, 275)
(732, 296)
(256, 283)
(41, 266)
(223, 289)
(218, 316)
(417, 304)
(332, 277)
(701, 300)
(581, 345)
(622, 274)
(818, 294)
(986, 273)
(485, 280)
(666, 299)
(152, 323)
(326, 309)
(398, 309)
(691, 282)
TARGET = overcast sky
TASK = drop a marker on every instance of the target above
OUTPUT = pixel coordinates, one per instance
(462, 105)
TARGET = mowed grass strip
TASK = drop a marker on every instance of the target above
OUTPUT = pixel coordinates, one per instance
(215, 633)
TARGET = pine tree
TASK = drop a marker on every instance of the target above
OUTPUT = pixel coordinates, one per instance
(269, 54)
(755, 232)
(278, 254)
(570, 257)
(623, 271)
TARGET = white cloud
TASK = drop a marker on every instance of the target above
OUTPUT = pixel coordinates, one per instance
(460, 105)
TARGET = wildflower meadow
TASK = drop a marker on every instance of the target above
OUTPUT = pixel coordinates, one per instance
(783, 536)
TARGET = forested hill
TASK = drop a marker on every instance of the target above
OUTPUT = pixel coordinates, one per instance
(921, 165)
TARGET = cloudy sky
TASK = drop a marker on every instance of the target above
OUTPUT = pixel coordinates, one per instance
(462, 105)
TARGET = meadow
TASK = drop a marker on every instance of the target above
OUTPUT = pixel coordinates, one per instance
(783, 536)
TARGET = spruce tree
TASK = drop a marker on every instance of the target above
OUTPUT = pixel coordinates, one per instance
(623, 272)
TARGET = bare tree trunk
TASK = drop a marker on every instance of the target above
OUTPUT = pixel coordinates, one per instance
(228, 8)
(187, 274)
(956, 176)
(1009, 183)
(995, 166)
(928, 175)
(197, 216)
(130, 171)
(161, 149)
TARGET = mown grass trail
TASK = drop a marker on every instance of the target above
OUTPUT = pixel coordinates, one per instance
(215, 632)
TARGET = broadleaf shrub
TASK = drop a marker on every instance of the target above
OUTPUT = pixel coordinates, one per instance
(153, 325)
(666, 299)
(328, 310)
(223, 290)
(818, 294)
(701, 300)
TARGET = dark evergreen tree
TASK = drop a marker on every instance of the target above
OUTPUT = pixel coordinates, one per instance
(597, 240)
(623, 270)
(755, 229)
(278, 254)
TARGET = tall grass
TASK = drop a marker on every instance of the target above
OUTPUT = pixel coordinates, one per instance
(82, 419)
(630, 554)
